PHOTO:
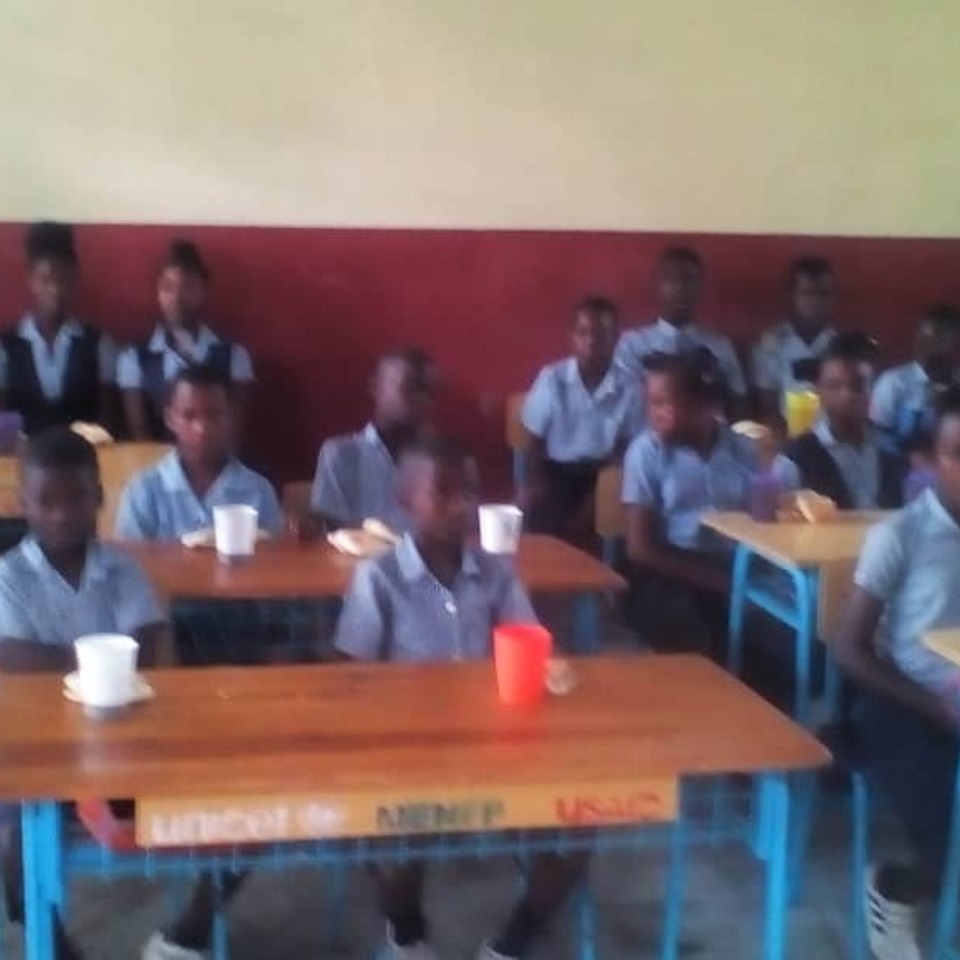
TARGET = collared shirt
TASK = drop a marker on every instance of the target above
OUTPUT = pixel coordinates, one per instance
(664, 337)
(579, 424)
(911, 561)
(130, 372)
(50, 359)
(396, 609)
(159, 503)
(681, 485)
(356, 480)
(778, 350)
(37, 604)
(859, 466)
(903, 400)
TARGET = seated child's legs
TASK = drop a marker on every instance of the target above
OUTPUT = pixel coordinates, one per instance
(674, 617)
(400, 892)
(569, 486)
(193, 928)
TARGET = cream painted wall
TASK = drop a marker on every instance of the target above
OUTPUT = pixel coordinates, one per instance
(823, 116)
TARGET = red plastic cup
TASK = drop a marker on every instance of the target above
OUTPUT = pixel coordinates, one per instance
(520, 652)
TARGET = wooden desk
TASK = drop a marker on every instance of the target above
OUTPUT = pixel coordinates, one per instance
(286, 569)
(351, 739)
(946, 643)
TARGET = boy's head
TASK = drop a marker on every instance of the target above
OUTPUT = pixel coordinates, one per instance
(60, 490)
(437, 486)
(404, 388)
(938, 343)
(182, 284)
(596, 327)
(684, 393)
(200, 415)
(813, 288)
(946, 445)
(52, 266)
(843, 383)
(677, 284)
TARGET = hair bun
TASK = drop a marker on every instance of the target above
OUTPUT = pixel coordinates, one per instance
(48, 239)
(186, 255)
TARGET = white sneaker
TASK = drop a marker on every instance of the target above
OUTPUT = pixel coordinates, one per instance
(413, 951)
(159, 948)
(891, 926)
(486, 952)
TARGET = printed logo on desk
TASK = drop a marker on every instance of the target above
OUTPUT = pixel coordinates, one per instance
(216, 821)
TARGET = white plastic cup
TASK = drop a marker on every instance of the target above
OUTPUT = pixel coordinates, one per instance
(107, 668)
(500, 526)
(235, 531)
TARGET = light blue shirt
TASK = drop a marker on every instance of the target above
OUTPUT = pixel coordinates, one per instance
(911, 561)
(778, 350)
(159, 503)
(664, 337)
(396, 609)
(195, 350)
(577, 424)
(50, 359)
(681, 485)
(37, 604)
(902, 401)
(859, 466)
(356, 480)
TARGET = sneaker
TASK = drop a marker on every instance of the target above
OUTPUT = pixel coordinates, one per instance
(486, 952)
(891, 925)
(159, 948)
(412, 951)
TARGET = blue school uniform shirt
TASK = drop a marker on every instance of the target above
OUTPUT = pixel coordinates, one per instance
(37, 604)
(911, 561)
(576, 423)
(130, 371)
(902, 402)
(356, 479)
(859, 466)
(776, 353)
(681, 485)
(664, 337)
(159, 503)
(396, 609)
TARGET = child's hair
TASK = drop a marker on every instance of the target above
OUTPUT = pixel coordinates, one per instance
(942, 318)
(696, 373)
(595, 306)
(59, 448)
(47, 240)
(414, 357)
(437, 449)
(812, 266)
(947, 405)
(852, 347)
(185, 255)
(203, 376)
(680, 257)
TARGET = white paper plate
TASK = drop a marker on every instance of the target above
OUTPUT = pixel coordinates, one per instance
(142, 691)
(204, 539)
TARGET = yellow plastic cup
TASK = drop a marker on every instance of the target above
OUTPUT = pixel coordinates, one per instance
(802, 410)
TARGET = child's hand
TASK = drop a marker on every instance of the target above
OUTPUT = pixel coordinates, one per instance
(305, 528)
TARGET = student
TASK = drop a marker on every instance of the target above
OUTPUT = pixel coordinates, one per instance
(842, 457)
(61, 583)
(678, 283)
(785, 358)
(177, 495)
(434, 598)
(180, 339)
(581, 413)
(904, 398)
(356, 474)
(55, 370)
(908, 583)
(686, 462)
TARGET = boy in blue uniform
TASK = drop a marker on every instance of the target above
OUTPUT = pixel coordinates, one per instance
(180, 339)
(55, 370)
(907, 583)
(843, 457)
(61, 583)
(581, 413)
(357, 474)
(177, 495)
(678, 286)
(786, 356)
(435, 598)
(904, 398)
(686, 462)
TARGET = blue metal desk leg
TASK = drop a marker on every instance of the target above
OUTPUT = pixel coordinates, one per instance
(37, 872)
(738, 606)
(670, 945)
(775, 800)
(807, 586)
(586, 623)
(945, 924)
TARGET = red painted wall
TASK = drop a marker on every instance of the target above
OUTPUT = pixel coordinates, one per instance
(316, 307)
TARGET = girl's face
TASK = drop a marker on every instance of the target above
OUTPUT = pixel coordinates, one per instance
(669, 413)
(51, 284)
(181, 295)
